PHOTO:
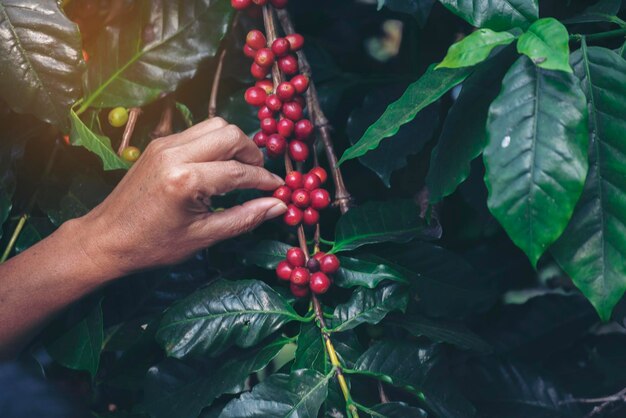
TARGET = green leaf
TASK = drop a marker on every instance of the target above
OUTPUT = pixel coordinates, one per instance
(495, 14)
(536, 158)
(79, 348)
(185, 113)
(399, 363)
(391, 154)
(366, 271)
(464, 134)
(475, 48)
(222, 314)
(299, 394)
(81, 135)
(441, 330)
(175, 389)
(40, 59)
(137, 60)
(546, 43)
(369, 306)
(592, 249)
(235, 110)
(396, 410)
(602, 11)
(428, 89)
(376, 222)
(266, 254)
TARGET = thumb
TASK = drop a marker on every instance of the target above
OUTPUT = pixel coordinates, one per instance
(243, 218)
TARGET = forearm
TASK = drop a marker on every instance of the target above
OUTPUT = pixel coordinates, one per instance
(43, 280)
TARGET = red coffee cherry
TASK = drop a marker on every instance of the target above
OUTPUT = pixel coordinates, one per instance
(264, 113)
(319, 283)
(288, 64)
(311, 181)
(292, 110)
(295, 257)
(264, 57)
(281, 47)
(294, 180)
(319, 255)
(320, 199)
(329, 264)
(298, 151)
(256, 40)
(313, 265)
(268, 125)
(283, 193)
(285, 127)
(300, 276)
(285, 91)
(293, 216)
(276, 145)
(310, 216)
(260, 139)
(303, 129)
(300, 82)
(319, 172)
(258, 72)
(299, 291)
(266, 85)
(248, 51)
(255, 96)
(273, 102)
(284, 270)
(241, 4)
(296, 41)
(301, 198)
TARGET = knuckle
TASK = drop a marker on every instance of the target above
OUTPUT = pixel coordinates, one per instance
(220, 122)
(236, 170)
(177, 180)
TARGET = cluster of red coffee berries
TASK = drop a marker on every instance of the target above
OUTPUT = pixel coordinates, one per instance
(304, 197)
(281, 107)
(244, 4)
(303, 275)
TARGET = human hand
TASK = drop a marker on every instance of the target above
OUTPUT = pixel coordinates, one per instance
(158, 214)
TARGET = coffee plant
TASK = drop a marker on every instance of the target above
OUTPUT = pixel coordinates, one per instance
(455, 175)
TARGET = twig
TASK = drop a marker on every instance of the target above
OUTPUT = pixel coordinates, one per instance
(604, 402)
(216, 84)
(342, 197)
(270, 29)
(165, 125)
(381, 393)
(133, 115)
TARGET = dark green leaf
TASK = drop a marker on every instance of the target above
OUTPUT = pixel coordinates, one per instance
(40, 59)
(175, 389)
(376, 222)
(396, 410)
(311, 352)
(441, 330)
(475, 48)
(593, 247)
(392, 153)
(222, 314)
(420, 9)
(546, 43)
(82, 135)
(399, 363)
(443, 283)
(428, 89)
(299, 394)
(464, 134)
(185, 113)
(266, 254)
(536, 158)
(133, 62)
(36, 229)
(602, 11)
(236, 111)
(495, 14)
(79, 348)
(369, 306)
(366, 271)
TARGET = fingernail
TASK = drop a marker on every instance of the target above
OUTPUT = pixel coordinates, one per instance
(275, 211)
(279, 178)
